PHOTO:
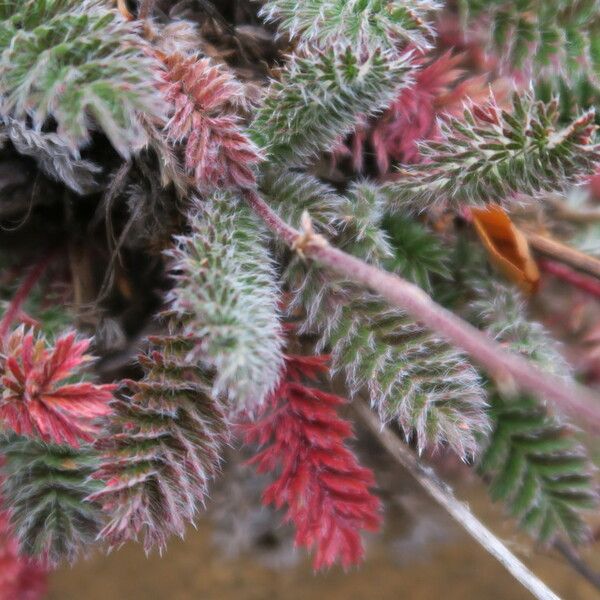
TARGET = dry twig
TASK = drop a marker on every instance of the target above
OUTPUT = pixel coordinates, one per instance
(443, 495)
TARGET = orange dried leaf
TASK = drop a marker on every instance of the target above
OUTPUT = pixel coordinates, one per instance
(507, 246)
(124, 10)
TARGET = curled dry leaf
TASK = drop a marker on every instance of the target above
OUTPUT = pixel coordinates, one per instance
(507, 246)
(124, 10)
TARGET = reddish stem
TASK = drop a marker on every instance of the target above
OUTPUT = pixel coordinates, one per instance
(506, 367)
(583, 282)
(22, 294)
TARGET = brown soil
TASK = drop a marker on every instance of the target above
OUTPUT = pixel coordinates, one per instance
(421, 555)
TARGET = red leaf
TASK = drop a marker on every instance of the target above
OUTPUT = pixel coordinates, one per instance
(320, 481)
(36, 402)
(203, 96)
(21, 578)
(439, 89)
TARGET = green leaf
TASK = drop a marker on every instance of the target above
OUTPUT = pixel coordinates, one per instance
(80, 63)
(46, 487)
(319, 97)
(537, 467)
(362, 23)
(508, 153)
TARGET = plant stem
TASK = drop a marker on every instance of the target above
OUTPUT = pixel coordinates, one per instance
(577, 562)
(443, 495)
(146, 8)
(566, 212)
(563, 253)
(22, 294)
(588, 284)
(510, 370)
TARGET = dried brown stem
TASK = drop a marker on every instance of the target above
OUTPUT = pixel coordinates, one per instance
(566, 212)
(146, 8)
(563, 253)
(509, 369)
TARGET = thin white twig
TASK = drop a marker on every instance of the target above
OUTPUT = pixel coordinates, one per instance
(443, 495)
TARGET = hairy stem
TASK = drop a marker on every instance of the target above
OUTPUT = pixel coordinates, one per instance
(566, 212)
(443, 495)
(508, 369)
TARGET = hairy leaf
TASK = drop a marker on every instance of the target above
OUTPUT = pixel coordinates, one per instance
(318, 99)
(366, 23)
(46, 487)
(80, 63)
(492, 155)
(226, 296)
